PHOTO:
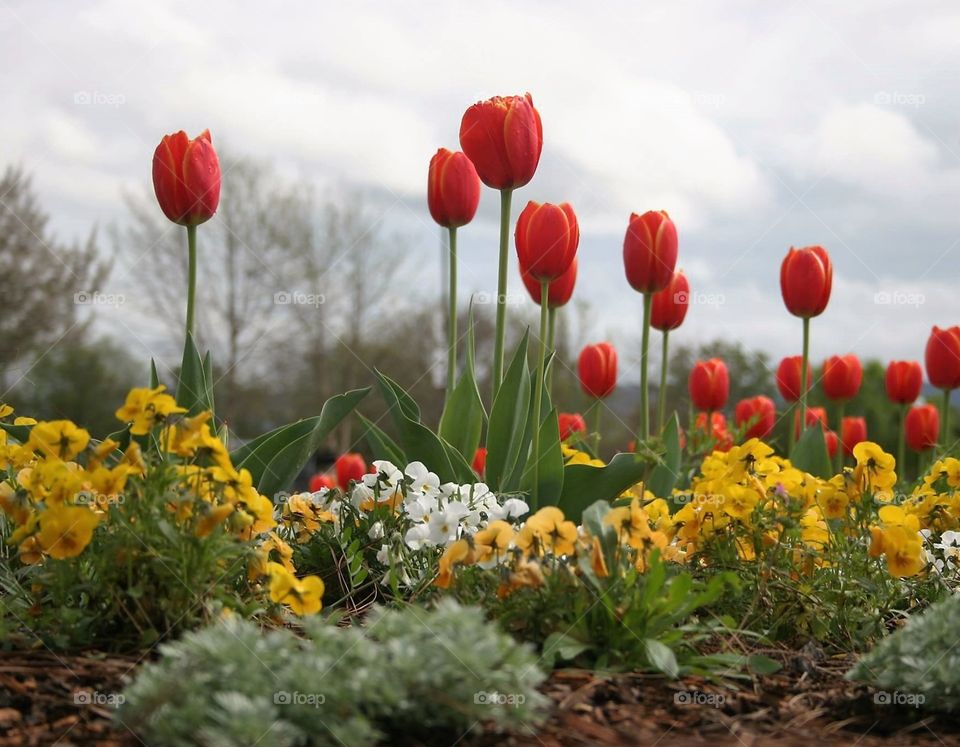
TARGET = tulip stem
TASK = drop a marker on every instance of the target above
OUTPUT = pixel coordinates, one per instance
(538, 394)
(945, 425)
(662, 394)
(191, 276)
(791, 420)
(598, 406)
(901, 443)
(551, 333)
(804, 383)
(505, 195)
(644, 351)
(452, 326)
(839, 457)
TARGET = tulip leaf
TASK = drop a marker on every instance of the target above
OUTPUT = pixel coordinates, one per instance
(193, 385)
(583, 484)
(463, 415)
(509, 419)
(810, 453)
(154, 377)
(19, 432)
(277, 457)
(400, 404)
(381, 445)
(664, 476)
(550, 479)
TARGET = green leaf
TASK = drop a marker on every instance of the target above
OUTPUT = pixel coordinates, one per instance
(19, 432)
(381, 445)
(760, 664)
(509, 420)
(551, 463)
(664, 475)
(463, 415)
(561, 647)
(208, 379)
(583, 484)
(810, 453)
(399, 403)
(192, 386)
(154, 377)
(661, 657)
(276, 458)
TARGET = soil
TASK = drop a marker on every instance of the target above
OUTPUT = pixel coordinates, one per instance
(46, 699)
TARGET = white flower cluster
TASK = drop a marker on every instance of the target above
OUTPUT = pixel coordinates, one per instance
(949, 547)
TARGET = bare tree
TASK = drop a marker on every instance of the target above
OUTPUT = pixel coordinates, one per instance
(42, 281)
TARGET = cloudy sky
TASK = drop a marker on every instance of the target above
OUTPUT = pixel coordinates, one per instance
(757, 125)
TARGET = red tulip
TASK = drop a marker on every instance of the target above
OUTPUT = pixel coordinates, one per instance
(718, 430)
(650, 251)
(806, 277)
(559, 291)
(480, 461)
(852, 431)
(831, 440)
(571, 423)
(349, 467)
(597, 369)
(321, 480)
(709, 384)
(186, 178)
(904, 381)
(842, 376)
(788, 377)
(814, 415)
(503, 137)
(453, 189)
(943, 358)
(922, 427)
(670, 304)
(759, 412)
(547, 238)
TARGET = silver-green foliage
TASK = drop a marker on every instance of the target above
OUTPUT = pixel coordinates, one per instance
(920, 661)
(406, 672)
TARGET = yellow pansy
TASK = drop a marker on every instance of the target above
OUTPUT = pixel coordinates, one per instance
(60, 439)
(145, 408)
(548, 531)
(302, 595)
(66, 530)
(875, 469)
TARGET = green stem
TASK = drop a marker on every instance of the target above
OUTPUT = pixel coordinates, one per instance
(191, 276)
(598, 406)
(551, 337)
(538, 394)
(945, 424)
(505, 195)
(902, 444)
(838, 459)
(644, 351)
(662, 394)
(452, 326)
(791, 414)
(803, 374)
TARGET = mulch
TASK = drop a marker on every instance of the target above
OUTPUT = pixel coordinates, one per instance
(46, 699)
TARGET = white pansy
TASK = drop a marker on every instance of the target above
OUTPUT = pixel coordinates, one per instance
(383, 554)
(421, 479)
(376, 531)
(443, 525)
(512, 508)
(361, 493)
(420, 508)
(417, 536)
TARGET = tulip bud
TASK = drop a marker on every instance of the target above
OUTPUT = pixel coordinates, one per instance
(321, 480)
(547, 238)
(480, 461)
(709, 384)
(349, 467)
(842, 376)
(453, 189)
(650, 251)
(831, 441)
(670, 305)
(759, 412)
(904, 380)
(597, 369)
(814, 415)
(806, 277)
(186, 178)
(503, 137)
(788, 377)
(571, 423)
(559, 291)
(922, 427)
(943, 358)
(852, 432)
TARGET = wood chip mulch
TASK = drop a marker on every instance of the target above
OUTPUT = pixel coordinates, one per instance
(46, 699)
